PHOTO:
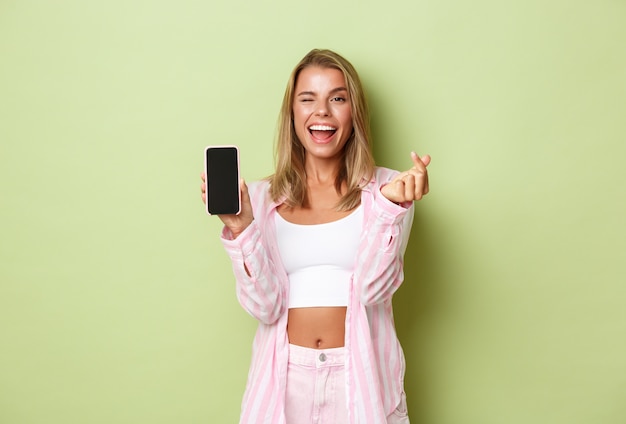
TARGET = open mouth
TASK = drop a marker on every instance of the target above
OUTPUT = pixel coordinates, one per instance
(322, 132)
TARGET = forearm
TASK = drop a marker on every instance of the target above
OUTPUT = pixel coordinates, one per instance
(379, 272)
(258, 285)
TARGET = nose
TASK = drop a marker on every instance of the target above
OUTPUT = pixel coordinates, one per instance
(322, 109)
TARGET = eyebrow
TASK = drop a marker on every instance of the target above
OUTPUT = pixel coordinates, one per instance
(312, 93)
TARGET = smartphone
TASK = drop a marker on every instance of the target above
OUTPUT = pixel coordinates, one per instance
(222, 180)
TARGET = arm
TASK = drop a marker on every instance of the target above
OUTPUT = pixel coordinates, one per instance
(258, 286)
(380, 259)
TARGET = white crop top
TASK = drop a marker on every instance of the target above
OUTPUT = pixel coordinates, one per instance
(319, 259)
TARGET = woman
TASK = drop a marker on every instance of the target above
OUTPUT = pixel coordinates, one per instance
(317, 252)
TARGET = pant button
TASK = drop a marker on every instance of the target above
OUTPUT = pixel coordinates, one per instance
(322, 357)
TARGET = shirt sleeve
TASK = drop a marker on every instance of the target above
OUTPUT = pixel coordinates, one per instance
(257, 280)
(380, 259)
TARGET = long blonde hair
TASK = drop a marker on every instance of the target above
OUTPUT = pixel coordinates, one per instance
(357, 167)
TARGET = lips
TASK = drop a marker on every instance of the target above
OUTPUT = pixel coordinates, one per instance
(322, 133)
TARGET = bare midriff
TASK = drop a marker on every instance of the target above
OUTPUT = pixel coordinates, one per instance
(317, 327)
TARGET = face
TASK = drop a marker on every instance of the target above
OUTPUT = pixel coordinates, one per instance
(322, 112)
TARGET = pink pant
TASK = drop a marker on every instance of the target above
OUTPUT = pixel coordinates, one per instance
(316, 390)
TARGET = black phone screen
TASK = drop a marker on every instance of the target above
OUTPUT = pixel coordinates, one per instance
(222, 171)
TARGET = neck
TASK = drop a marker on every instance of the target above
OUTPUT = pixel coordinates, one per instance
(321, 172)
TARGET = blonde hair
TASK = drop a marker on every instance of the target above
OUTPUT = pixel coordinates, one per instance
(357, 167)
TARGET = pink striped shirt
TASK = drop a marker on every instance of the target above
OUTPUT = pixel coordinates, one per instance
(374, 358)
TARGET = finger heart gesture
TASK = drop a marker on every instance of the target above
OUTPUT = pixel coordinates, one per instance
(409, 185)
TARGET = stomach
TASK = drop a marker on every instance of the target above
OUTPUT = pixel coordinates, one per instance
(317, 327)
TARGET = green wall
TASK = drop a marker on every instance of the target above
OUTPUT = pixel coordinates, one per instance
(116, 299)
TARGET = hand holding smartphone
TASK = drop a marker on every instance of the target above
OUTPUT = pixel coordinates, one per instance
(223, 196)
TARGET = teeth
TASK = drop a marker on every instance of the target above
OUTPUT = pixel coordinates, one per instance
(322, 128)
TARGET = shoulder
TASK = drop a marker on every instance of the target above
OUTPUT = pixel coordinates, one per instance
(385, 174)
(382, 176)
(259, 191)
(259, 186)
(260, 197)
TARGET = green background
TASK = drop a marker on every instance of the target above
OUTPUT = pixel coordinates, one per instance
(116, 299)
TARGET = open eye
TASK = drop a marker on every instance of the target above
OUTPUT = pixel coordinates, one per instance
(338, 99)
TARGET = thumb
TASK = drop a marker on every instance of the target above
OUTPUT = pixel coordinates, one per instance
(245, 195)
